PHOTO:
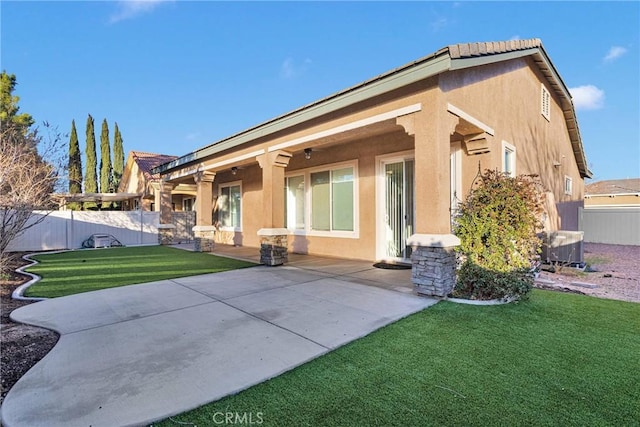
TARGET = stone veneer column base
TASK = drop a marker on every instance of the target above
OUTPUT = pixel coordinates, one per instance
(273, 246)
(204, 238)
(165, 234)
(433, 263)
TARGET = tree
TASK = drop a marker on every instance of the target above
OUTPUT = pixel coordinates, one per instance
(75, 166)
(118, 157)
(91, 175)
(106, 180)
(26, 179)
(9, 106)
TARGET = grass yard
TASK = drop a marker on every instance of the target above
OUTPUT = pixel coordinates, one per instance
(89, 270)
(557, 359)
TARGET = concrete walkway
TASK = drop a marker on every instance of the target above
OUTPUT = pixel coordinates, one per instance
(137, 354)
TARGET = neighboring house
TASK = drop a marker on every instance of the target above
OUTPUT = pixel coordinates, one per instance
(375, 171)
(617, 193)
(138, 178)
(611, 212)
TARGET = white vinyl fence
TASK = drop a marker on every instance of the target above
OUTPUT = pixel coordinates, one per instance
(68, 229)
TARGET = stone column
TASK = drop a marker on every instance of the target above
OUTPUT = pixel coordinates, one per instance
(204, 230)
(273, 246)
(166, 227)
(433, 263)
(273, 237)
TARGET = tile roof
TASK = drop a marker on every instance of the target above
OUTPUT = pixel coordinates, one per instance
(466, 50)
(614, 186)
(148, 161)
(463, 54)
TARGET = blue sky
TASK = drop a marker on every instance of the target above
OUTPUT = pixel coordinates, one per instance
(179, 75)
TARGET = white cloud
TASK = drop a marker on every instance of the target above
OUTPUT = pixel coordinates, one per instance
(614, 53)
(587, 97)
(193, 136)
(128, 9)
(439, 23)
(290, 69)
(516, 37)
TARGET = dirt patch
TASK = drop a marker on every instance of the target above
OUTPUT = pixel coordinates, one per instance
(615, 272)
(22, 346)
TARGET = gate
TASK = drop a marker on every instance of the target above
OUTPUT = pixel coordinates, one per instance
(184, 222)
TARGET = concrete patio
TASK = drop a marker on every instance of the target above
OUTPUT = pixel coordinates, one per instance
(137, 354)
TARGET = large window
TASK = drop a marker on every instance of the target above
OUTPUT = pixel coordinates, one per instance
(322, 201)
(230, 207)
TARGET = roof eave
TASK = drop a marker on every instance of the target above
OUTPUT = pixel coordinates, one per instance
(419, 70)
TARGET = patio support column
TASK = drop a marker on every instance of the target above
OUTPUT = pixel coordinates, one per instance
(204, 231)
(433, 260)
(273, 235)
(166, 227)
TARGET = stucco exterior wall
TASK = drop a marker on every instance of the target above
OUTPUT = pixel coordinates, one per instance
(506, 96)
(612, 201)
(364, 152)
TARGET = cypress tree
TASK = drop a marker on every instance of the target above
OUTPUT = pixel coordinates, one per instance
(75, 166)
(118, 157)
(91, 175)
(106, 181)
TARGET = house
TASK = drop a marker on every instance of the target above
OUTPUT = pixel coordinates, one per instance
(139, 179)
(376, 171)
(617, 193)
(611, 213)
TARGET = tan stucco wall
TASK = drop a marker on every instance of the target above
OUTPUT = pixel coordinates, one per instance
(503, 96)
(597, 201)
(365, 152)
(506, 96)
(132, 179)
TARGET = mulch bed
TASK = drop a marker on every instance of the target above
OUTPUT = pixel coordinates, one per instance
(22, 345)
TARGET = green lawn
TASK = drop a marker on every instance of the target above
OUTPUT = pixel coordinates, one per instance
(555, 360)
(89, 270)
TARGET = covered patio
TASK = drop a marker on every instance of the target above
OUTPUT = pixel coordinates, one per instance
(354, 271)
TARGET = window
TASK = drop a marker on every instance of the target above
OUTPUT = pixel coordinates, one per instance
(545, 103)
(332, 200)
(508, 159)
(322, 201)
(230, 206)
(188, 204)
(568, 185)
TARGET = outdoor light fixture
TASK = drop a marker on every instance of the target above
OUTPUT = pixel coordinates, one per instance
(307, 153)
(234, 170)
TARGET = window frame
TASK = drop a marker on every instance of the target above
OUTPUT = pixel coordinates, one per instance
(229, 185)
(509, 148)
(308, 206)
(193, 204)
(568, 185)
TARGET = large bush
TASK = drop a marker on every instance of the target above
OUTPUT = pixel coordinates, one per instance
(497, 226)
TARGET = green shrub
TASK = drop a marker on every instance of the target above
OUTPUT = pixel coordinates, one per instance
(498, 226)
(475, 282)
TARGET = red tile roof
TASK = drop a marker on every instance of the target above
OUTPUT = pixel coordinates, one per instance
(148, 161)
